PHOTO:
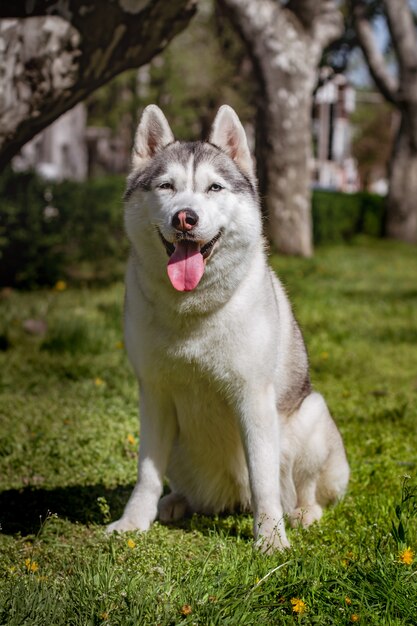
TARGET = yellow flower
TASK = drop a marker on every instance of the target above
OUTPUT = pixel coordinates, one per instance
(348, 600)
(186, 609)
(131, 544)
(407, 556)
(298, 605)
(98, 382)
(354, 617)
(104, 615)
(60, 285)
(31, 566)
(131, 439)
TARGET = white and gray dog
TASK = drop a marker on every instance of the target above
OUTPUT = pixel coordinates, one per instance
(227, 410)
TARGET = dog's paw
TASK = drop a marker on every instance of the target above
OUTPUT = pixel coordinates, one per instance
(122, 525)
(272, 543)
(172, 508)
(305, 516)
(270, 536)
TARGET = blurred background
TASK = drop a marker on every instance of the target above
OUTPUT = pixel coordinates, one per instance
(324, 90)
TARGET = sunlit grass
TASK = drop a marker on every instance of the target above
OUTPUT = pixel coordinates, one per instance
(68, 435)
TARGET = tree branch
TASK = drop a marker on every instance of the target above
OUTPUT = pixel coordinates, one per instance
(328, 24)
(259, 15)
(32, 8)
(403, 33)
(49, 64)
(305, 10)
(386, 83)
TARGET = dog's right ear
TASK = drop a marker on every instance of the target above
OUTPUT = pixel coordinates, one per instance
(153, 134)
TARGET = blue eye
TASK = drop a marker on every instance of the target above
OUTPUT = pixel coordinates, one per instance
(166, 186)
(215, 187)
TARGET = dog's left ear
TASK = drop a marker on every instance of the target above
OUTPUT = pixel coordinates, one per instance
(153, 134)
(229, 135)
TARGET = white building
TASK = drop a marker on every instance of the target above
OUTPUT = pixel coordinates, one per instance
(334, 101)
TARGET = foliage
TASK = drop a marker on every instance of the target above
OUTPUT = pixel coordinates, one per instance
(175, 80)
(373, 138)
(63, 230)
(68, 439)
(339, 216)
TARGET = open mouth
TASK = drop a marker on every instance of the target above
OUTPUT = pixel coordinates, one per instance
(187, 259)
(205, 250)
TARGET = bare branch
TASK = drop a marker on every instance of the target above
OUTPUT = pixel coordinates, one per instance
(403, 33)
(385, 82)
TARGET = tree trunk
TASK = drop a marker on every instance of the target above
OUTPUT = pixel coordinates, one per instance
(401, 91)
(286, 45)
(402, 195)
(62, 51)
(283, 142)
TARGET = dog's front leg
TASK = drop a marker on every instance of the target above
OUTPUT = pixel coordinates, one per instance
(157, 432)
(260, 429)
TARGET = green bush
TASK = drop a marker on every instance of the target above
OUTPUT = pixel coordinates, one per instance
(340, 216)
(57, 231)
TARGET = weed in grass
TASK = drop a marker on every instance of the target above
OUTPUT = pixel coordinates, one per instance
(74, 335)
(406, 513)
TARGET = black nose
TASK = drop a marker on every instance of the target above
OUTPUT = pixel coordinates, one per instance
(185, 219)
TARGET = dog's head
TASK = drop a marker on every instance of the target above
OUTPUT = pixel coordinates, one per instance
(190, 204)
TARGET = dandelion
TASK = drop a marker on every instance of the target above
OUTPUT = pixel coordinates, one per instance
(131, 544)
(406, 556)
(98, 382)
(354, 617)
(131, 439)
(31, 566)
(348, 600)
(348, 558)
(298, 605)
(186, 609)
(60, 285)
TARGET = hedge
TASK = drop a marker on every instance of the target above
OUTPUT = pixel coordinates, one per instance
(74, 231)
(62, 231)
(338, 217)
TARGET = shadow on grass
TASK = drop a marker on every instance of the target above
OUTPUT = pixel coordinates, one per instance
(23, 510)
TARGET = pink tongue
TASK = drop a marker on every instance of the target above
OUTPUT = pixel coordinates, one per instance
(186, 266)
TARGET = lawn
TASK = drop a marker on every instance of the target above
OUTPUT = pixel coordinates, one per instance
(68, 440)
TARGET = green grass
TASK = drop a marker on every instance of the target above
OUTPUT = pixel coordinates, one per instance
(68, 411)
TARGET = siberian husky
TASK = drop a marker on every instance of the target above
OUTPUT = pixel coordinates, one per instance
(227, 411)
